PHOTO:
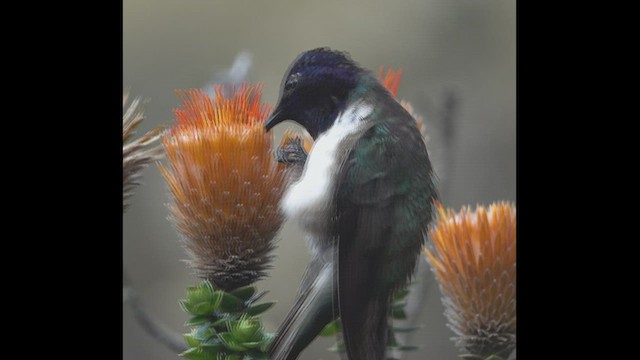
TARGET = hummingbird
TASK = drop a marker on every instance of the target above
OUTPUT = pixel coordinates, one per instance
(364, 201)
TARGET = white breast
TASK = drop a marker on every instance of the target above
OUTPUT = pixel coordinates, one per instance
(309, 198)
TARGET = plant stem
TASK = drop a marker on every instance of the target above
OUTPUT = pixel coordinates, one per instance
(153, 327)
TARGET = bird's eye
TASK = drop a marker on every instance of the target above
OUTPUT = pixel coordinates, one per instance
(292, 81)
(289, 85)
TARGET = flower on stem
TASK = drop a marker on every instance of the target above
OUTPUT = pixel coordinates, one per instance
(225, 184)
(138, 153)
(391, 81)
(474, 260)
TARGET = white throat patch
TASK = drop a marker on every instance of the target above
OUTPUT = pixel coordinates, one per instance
(309, 198)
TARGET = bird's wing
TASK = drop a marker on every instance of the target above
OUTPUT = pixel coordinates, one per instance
(310, 313)
(385, 185)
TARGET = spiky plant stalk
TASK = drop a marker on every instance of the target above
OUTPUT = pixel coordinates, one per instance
(136, 154)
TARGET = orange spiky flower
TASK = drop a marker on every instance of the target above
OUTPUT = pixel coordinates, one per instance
(391, 81)
(474, 260)
(225, 184)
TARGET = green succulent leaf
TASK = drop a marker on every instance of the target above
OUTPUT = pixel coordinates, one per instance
(197, 353)
(183, 305)
(400, 304)
(257, 354)
(398, 313)
(197, 320)
(191, 340)
(201, 299)
(213, 344)
(493, 357)
(221, 321)
(231, 323)
(244, 293)
(224, 324)
(229, 303)
(202, 332)
(251, 345)
(471, 356)
(205, 307)
(200, 292)
(230, 342)
(332, 328)
(247, 331)
(259, 308)
(400, 294)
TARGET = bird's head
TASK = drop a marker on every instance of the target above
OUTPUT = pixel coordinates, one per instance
(315, 89)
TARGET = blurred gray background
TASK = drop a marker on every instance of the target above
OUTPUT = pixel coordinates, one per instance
(464, 47)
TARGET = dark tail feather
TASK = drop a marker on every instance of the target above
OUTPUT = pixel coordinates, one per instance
(312, 311)
(364, 307)
(363, 298)
(365, 332)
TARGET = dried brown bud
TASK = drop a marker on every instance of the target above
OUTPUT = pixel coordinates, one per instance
(138, 153)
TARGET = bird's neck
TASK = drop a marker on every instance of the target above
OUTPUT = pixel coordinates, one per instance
(368, 88)
(367, 91)
(310, 199)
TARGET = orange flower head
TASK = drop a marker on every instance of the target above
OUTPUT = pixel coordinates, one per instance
(225, 184)
(391, 81)
(474, 259)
